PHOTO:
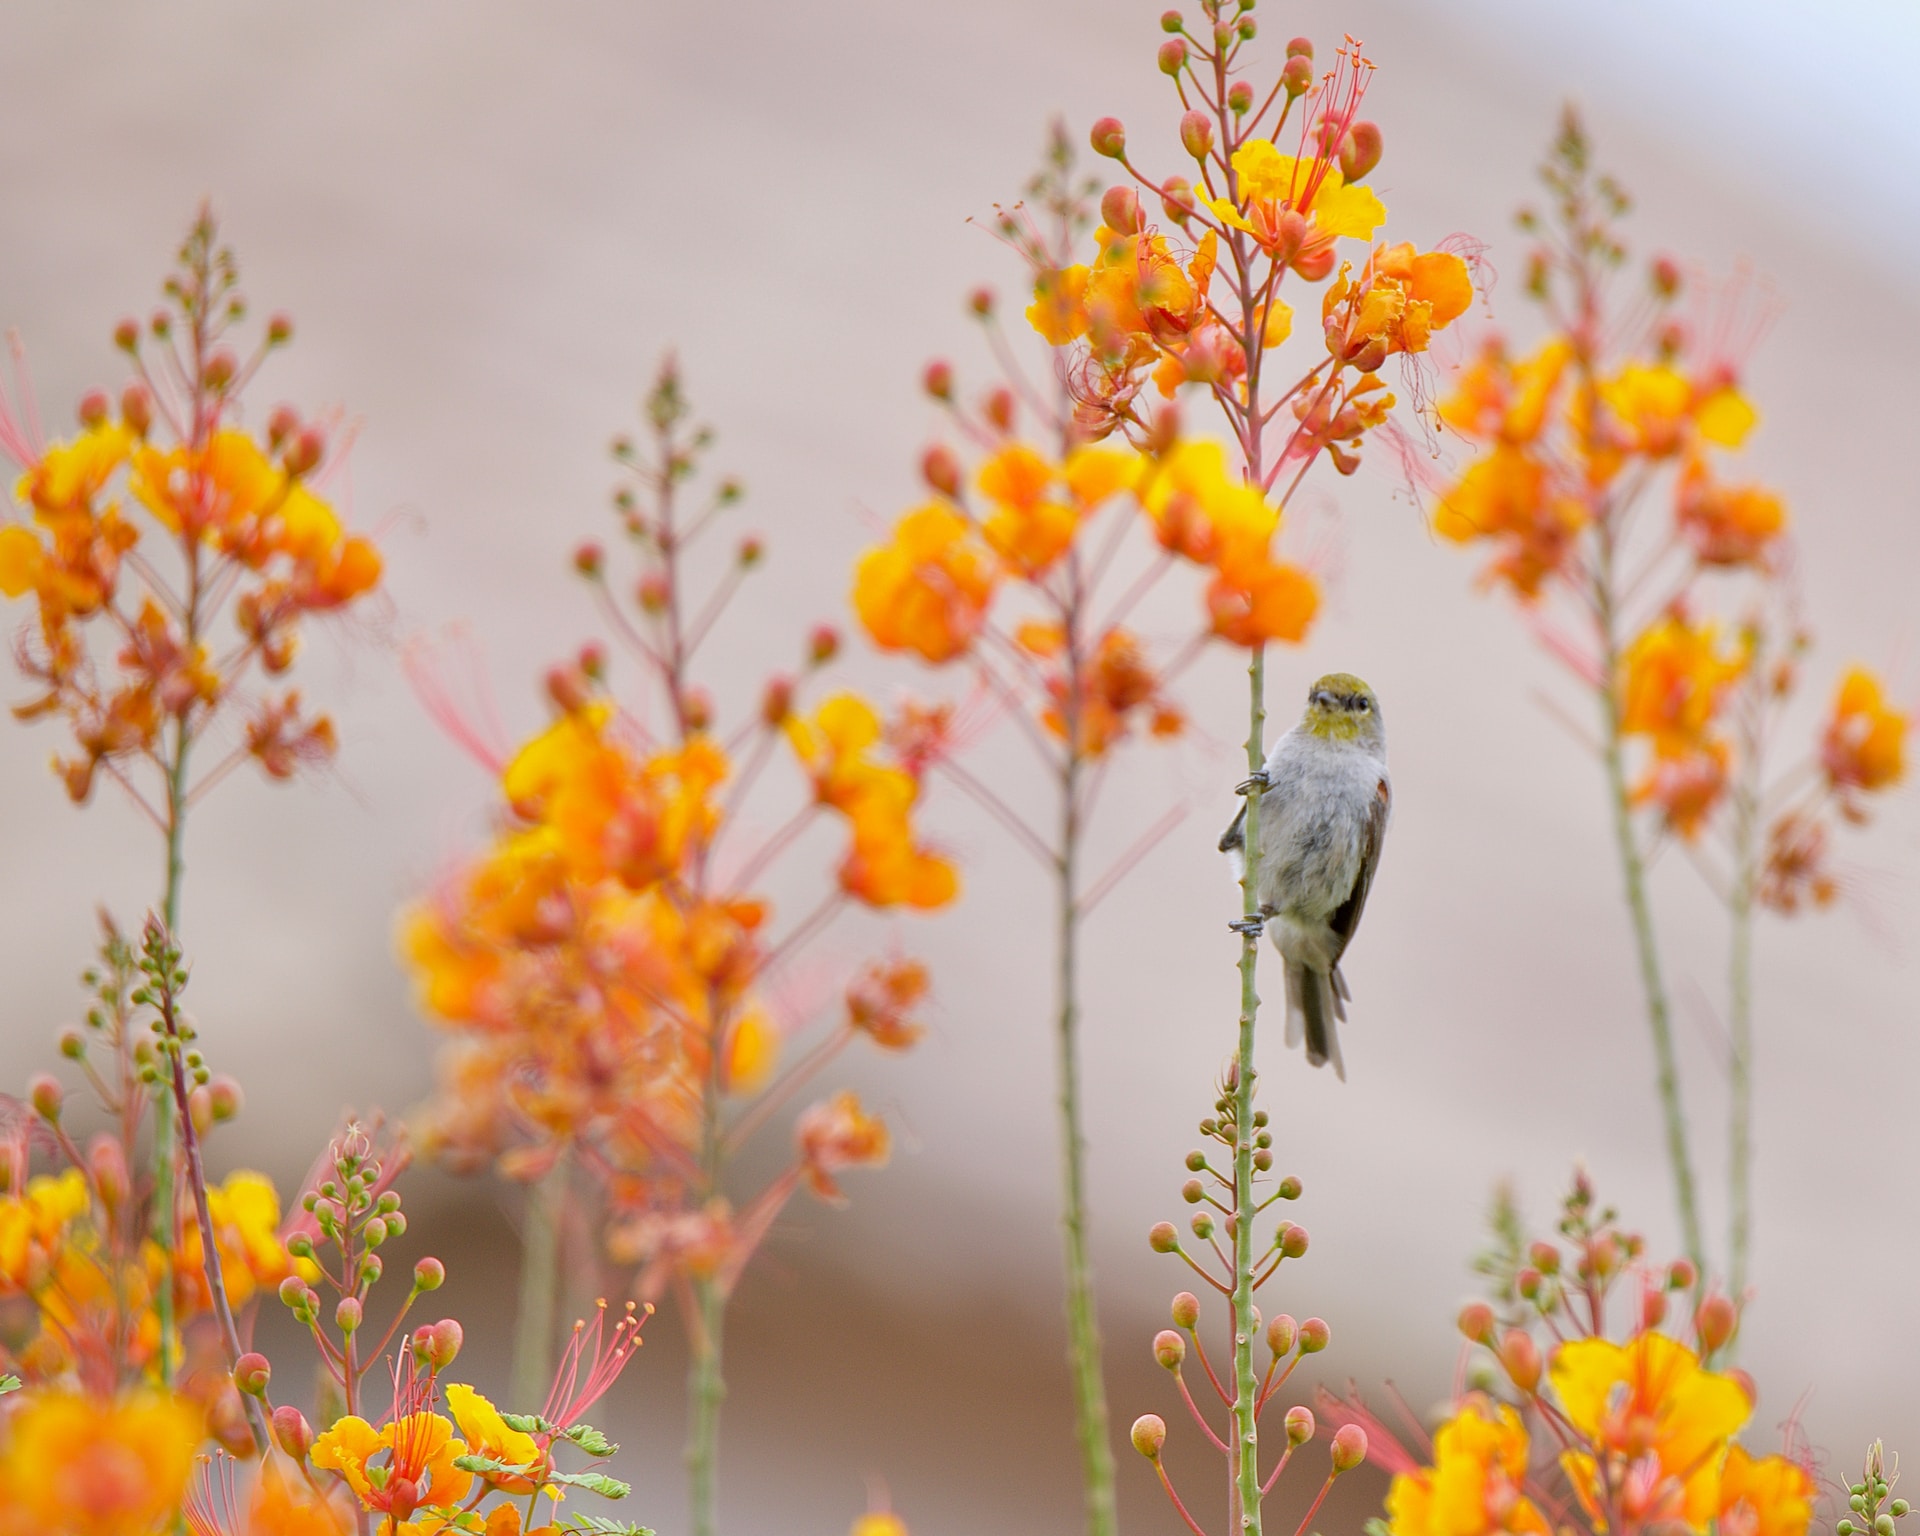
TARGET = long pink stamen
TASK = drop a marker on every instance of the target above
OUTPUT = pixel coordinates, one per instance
(603, 1357)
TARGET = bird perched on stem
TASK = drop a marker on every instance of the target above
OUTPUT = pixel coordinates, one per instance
(1324, 802)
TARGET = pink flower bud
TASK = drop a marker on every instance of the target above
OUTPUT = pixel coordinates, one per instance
(1715, 1322)
(126, 335)
(1281, 1333)
(1120, 210)
(592, 661)
(1653, 1309)
(1315, 1335)
(444, 1340)
(107, 1160)
(1239, 98)
(1360, 150)
(1291, 1240)
(224, 1099)
(750, 550)
(1169, 1349)
(1521, 1358)
(220, 369)
(938, 380)
(777, 702)
(699, 709)
(1527, 1282)
(46, 1096)
(1681, 1275)
(1172, 21)
(1196, 133)
(349, 1314)
(291, 1432)
(1300, 48)
(823, 644)
(94, 406)
(1545, 1257)
(281, 425)
(589, 559)
(940, 468)
(1173, 56)
(1299, 1423)
(1162, 1238)
(1476, 1321)
(1176, 199)
(1186, 1310)
(136, 409)
(651, 593)
(293, 1292)
(279, 330)
(1193, 1191)
(1109, 140)
(1296, 76)
(1349, 1448)
(998, 409)
(1149, 1434)
(980, 301)
(1665, 276)
(251, 1373)
(429, 1274)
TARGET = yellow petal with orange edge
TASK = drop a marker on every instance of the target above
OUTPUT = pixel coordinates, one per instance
(1725, 417)
(752, 1051)
(1442, 279)
(1016, 476)
(1228, 214)
(345, 1448)
(1094, 474)
(21, 558)
(1278, 323)
(1200, 269)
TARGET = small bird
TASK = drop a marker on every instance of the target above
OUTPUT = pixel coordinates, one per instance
(1324, 803)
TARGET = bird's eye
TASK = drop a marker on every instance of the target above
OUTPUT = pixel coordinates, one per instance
(1363, 705)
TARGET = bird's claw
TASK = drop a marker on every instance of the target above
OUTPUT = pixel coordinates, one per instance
(1252, 782)
(1252, 927)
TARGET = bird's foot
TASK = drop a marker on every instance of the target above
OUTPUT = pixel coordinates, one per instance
(1252, 782)
(1252, 927)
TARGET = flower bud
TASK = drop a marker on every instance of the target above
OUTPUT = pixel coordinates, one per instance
(1172, 21)
(589, 559)
(1748, 1386)
(776, 704)
(94, 406)
(823, 644)
(349, 1314)
(1186, 1309)
(291, 1432)
(750, 550)
(251, 1373)
(1714, 1322)
(1281, 1333)
(300, 1246)
(136, 409)
(1162, 1238)
(1196, 1160)
(1296, 77)
(938, 380)
(1109, 138)
(1521, 1358)
(1545, 1257)
(429, 1274)
(998, 409)
(293, 1290)
(592, 662)
(1176, 199)
(304, 453)
(940, 468)
(281, 425)
(126, 335)
(1202, 1225)
(107, 1161)
(1299, 1423)
(46, 1095)
(220, 369)
(443, 1341)
(1681, 1274)
(1196, 133)
(1527, 1282)
(1120, 210)
(73, 1044)
(224, 1099)
(699, 709)
(1476, 1321)
(1360, 150)
(1653, 1309)
(1239, 98)
(1300, 48)
(1149, 1434)
(1193, 1192)
(1173, 56)
(1349, 1448)
(279, 330)
(1169, 1349)
(1291, 1240)
(651, 593)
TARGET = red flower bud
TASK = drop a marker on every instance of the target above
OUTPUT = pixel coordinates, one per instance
(1291, 1240)
(777, 702)
(938, 380)
(136, 409)
(429, 1274)
(750, 551)
(1360, 150)
(1176, 199)
(1349, 1448)
(940, 468)
(46, 1096)
(1172, 21)
(1169, 1349)
(1173, 56)
(304, 453)
(1196, 133)
(592, 661)
(349, 1314)
(251, 1373)
(1186, 1308)
(224, 1099)
(1476, 1321)
(1715, 1322)
(1239, 98)
(1527, 1283)
(1109, 140)
(291, 1432)
(220, 369)
(1296, 77)
(998, 409)
(1521, 1358)
(823, 644)
(1299, 1423)
(107, 1160)
(279, 330)
(94, 406)
(1120, 210)
(1681, 1275)
(126, 335)
(1300, 48)
(1665, 276)
(1149, 1434)
(1281, 1333)
(980, 301)
(589, 559)
(281, 425)
(1315, 1335)
(1653, 1309)
(1162, 1238)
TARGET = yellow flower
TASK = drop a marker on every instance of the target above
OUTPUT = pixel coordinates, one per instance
(1763, 1496)
(488, 1435)
(1674, 679)
(1508, 495)
(68, 476)
(1473, 1486)
(879, 1523)
(87, 1466)
(1059, 308)
(419, 1451)
(1311, 187)
(1864, 746)
(926, 589)
(33, 1224)
(1649, 1397)
(1496, 397)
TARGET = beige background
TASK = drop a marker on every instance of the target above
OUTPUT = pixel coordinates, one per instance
(489, 220)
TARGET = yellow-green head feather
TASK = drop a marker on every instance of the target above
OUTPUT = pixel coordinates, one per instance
(1341, 707)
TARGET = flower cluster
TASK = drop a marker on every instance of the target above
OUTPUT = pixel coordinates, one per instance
(173, 554)
(1596, 1432)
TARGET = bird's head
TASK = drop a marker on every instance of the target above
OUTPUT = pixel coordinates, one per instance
(1341, 707)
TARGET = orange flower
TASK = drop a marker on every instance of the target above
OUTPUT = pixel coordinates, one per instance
(1674, 679)
(882, 996)
(1507, 495)
(1726, 525)
(415, 1455)
(839, 1134)
(89, 1466)
(1496, 398)
(1474, 1486)
(1399, 301)
(1687, 788)
(1264, 602)
(1864, 745)
(927, 588)
(1763, 1496)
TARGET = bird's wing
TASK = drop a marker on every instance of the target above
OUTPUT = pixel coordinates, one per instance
(1347, 917)
(1235, 835)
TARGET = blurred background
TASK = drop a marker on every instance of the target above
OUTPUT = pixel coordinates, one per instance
(489, 222)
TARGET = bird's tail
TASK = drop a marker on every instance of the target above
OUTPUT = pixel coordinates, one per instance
(1314, 1003)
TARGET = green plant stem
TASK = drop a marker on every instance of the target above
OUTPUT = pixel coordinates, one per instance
(1244, 1507)
(1640, 911)
(165, 1127)
(1740, 903)
(540, 1250)
(706, 1390)
(1083, 1329)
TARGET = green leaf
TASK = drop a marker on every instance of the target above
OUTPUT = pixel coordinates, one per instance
(591, 1440)
(459, 1519)
(1377, 1527)
(493, 1466)
(593, 1482)
(9, 1384)
(527, 1423)
(593, 1525)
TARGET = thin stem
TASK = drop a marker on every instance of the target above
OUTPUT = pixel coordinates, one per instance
(1740, 905)
(540, 1251)
(706, 1390)
(164, 1129)
(1247, 1491)
(1640, 910)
